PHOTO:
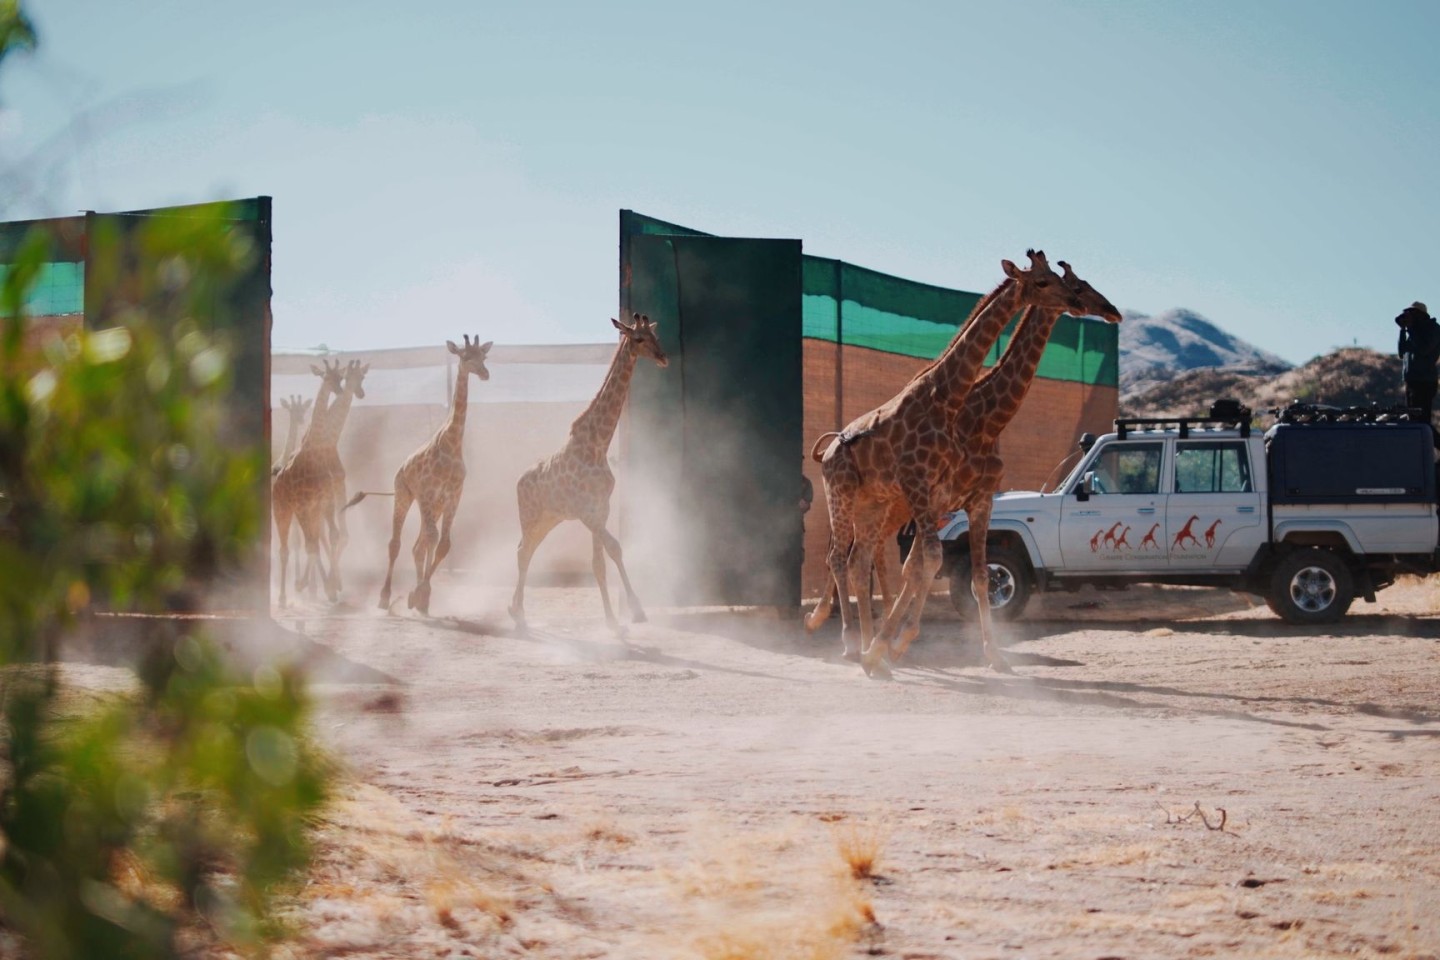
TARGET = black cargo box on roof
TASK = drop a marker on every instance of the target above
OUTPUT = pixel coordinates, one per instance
(1351, 463)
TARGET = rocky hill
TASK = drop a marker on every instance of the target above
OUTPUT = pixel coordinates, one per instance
(1351, 376)
(1154, 350)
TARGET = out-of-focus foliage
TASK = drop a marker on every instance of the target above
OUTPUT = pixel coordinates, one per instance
(16, 30)
(171, 816)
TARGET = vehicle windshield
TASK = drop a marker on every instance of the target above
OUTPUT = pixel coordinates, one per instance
(1068, 469)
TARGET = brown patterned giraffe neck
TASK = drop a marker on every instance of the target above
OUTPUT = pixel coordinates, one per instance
(954, 372)
(451, 437)
(592, 430)
(1002, 389)
(321, 410)
(324, 432)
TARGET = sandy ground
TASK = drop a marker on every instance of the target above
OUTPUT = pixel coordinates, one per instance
(1169, 773)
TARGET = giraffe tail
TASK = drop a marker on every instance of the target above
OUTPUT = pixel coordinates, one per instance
(367, 493)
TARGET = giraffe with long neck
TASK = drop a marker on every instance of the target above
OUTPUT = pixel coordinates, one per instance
(901, 451)
(576, 483)
(332, 381)
(335, 418)
(310, 488)
(967, 351)
(991, 405)
(433, 477)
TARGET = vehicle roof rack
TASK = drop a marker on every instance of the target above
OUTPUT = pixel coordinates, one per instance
(1297, 412)
(1123, 425)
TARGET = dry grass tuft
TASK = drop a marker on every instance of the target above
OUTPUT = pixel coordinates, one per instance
(743, 900)
(609, 833)
(859, 846)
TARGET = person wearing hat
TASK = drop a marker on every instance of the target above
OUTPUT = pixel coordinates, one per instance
(1419, 349)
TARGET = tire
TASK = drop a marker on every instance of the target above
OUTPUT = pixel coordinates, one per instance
(1311, 586)
(1009, 585)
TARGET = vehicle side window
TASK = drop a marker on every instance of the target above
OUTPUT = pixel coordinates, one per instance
(1212, 468)
(1128, 468)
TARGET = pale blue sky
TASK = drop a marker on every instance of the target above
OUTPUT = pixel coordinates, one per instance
(1272, 165)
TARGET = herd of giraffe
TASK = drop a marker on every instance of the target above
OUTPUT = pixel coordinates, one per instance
(931, 449)
(575, 483)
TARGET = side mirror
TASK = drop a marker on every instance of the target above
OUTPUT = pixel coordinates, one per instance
(1086, 488)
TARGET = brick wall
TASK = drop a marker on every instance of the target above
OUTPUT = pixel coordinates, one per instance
(1042, 434)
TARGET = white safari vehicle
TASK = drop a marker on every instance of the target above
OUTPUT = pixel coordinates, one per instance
(1328, 504)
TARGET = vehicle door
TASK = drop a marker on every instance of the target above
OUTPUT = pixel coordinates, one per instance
(1120, 526)
(1214, 509)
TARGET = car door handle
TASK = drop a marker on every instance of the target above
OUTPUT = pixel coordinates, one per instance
(1244, 509)
(1146, 510)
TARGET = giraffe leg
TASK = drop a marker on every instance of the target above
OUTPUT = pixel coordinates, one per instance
(597, 564)
(837, 560)
(339, 536)
(882, 574)
(874, 657)
(612, 547)
(403, 499)
(921, 566)
(838, 496)
(310, 523)
(282, 526)
(442, 547)
(979, 512)
(817, 617)
(531, 535)
(424, 549)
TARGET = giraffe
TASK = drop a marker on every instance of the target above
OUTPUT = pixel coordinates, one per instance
(576, 482)
(306, 488)
(1210, 532)
(335, 418)
(297, 408)
(897, 453)
(332, 381)
(1109, 538)
(433, 477)
(987, 411)
(1149, 539)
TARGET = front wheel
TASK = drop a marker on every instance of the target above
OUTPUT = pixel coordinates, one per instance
(1009, 585)
(1311, 586)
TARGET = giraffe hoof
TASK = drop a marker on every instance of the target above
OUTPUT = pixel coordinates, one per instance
(639, 617)
(879, 670)
(1000, 666)
(852, 655)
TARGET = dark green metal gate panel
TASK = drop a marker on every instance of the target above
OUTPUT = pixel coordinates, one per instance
(712, 456)
(123, 274)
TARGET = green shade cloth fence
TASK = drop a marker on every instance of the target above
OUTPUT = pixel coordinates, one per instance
(859, 307)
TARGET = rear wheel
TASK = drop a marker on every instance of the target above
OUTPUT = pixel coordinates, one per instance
(1009, 585)
(1311, 586)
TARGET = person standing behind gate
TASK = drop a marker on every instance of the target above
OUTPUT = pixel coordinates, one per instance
(1419, 349)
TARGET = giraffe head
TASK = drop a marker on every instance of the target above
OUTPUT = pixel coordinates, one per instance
(1041, 286)
(355, 378)
(472, 356)
(332, 376)
(1093, 303)
(296, 406)
(639, 336)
